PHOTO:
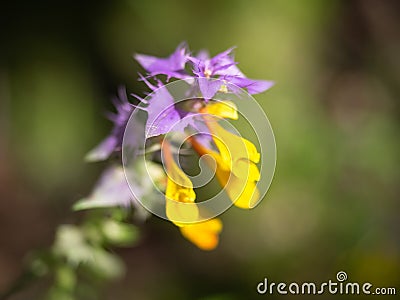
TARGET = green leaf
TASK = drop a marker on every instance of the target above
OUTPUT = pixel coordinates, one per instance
(86, 203)
(119, 234)
(66, 278)
(71, 243)
(106, 264)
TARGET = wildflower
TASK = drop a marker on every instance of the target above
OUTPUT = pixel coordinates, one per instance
(235, 157)
(221, 64)
(223, 67)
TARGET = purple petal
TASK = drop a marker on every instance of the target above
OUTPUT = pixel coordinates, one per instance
(220, 58)
(209, 87)
(193, 120)
(161, 113)
(114, 140)
(203, 55)
(144, 79)
(225, 69)
(229, 69)
(198, 66)
(253, 86)
(202, 63)
(103, 150)
(112, 189)
(172, 66)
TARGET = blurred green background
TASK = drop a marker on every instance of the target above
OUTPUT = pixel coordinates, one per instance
(333, 204)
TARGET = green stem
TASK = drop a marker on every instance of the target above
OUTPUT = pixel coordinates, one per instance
(24, 280)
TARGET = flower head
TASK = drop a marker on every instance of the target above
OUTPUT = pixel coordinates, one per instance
(224, 67)
(235, 157)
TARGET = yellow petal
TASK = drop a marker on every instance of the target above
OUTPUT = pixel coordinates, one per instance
(204, 235)
(222, 170)
(237, 153)
(247, 170)
(225, 109)
(243, 193)
(179, 194)
(241, 190)
(231, 146)
(181, 213)
(240, 185)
